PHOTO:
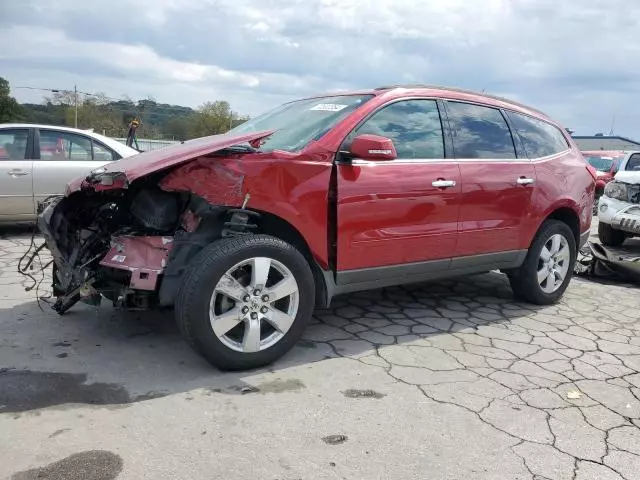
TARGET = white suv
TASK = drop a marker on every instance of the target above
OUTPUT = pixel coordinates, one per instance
(619, 206)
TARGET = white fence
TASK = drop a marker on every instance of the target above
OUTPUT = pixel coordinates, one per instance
(147, 144)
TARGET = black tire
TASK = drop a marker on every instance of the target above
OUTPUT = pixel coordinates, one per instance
(524, 281)
(609, 236)
(192, 304)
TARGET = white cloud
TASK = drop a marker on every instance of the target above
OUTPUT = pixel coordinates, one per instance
(574, 59)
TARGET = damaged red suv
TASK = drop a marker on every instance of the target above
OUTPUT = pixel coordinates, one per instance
(244, 233)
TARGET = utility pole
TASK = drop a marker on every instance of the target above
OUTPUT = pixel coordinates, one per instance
(75, 97)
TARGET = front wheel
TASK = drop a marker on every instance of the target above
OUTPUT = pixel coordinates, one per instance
(545, 274)
(245, 301)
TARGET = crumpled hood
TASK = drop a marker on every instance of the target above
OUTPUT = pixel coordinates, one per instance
(136, 166)
(631, 177)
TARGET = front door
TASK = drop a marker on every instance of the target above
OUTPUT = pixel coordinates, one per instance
(497, 185)
(64, 156)
(16, 179)
(401, 213)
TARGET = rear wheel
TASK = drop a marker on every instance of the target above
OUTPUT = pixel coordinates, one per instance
(609, 236)
(245, 301)
(545, 274)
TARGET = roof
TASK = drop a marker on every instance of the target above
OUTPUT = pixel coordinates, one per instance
(605, 137)
(463, 91)
(443, 91)
(119, 147)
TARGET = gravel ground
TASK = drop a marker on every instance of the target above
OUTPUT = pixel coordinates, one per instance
(452, 380)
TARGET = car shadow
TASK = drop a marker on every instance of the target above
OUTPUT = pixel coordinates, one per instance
(103, 356)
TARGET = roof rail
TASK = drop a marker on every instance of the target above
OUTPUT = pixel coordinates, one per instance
(461, 90)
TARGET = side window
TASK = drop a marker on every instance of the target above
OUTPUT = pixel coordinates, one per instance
(102, 153)
(413, 125)
(64, 146)
(13, 143)
(633, 164)
(540, 139)
(479, 132)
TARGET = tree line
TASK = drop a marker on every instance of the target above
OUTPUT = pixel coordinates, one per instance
(111, 117)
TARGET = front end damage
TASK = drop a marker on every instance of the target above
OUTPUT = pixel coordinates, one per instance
(129, 242)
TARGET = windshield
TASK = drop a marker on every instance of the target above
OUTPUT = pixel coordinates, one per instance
(297, 123)
(602, 164)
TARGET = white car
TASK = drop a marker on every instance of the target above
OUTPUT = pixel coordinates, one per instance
(37, 161)
(619, 206)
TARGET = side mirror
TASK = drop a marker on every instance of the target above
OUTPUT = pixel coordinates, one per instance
(373, 147)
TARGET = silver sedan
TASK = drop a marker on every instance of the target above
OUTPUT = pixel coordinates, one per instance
(37, 161)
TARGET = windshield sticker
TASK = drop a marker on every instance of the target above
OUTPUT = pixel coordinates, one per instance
(329, 107)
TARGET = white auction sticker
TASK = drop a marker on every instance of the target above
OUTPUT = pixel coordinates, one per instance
(328, 107)
(118, 258)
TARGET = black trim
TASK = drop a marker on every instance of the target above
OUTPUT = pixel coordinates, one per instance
(36, 144)
(375, 278)
(521, 152)
(391, 271)
(432, 269)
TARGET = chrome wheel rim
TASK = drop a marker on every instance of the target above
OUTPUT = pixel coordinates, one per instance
(553, 264)
(254, 305)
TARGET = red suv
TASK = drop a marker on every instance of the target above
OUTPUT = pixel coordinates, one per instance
(606, 163)
(243, 233)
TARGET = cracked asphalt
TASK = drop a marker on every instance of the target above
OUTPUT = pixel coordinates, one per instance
(452, 380)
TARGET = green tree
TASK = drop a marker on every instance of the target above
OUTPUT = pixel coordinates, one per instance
(213, 118)
(10, 109)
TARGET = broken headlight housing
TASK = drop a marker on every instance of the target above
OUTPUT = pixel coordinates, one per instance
(617, 191)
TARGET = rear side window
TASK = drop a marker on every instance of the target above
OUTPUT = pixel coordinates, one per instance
(13, 144)
(633, 164)
(479, 132)
(413, 125)
(540, 139)
(56, 145)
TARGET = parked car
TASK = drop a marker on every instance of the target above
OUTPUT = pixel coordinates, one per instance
(37, 161)
(619, 206)
(243, 233)
(606, 164)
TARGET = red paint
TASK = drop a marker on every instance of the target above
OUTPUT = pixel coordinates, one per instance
(495, 212)
(290, 186)
(604, 177)
(152, 161)
(144, 257)
(373, 147)
(387, 212)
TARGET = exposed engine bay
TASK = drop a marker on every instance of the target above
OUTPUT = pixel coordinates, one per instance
(130, 245)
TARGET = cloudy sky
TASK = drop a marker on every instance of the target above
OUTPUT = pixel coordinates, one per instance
(578, 60)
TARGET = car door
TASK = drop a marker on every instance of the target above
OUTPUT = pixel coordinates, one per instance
(497, 186)
(16, 179)
(398, 218)
(64, 156)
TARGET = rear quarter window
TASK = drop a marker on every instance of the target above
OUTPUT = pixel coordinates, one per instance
(633, 164)
(539, 138)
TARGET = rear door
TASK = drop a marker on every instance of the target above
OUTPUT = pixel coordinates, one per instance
(392, 219)
(16, 179)
(497, 186)
(65, 156)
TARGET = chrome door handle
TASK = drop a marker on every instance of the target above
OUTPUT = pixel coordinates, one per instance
(17, 173)
(525, 181)
(443, 183)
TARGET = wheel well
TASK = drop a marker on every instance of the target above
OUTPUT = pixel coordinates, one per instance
(568, 216)
(272, 225)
